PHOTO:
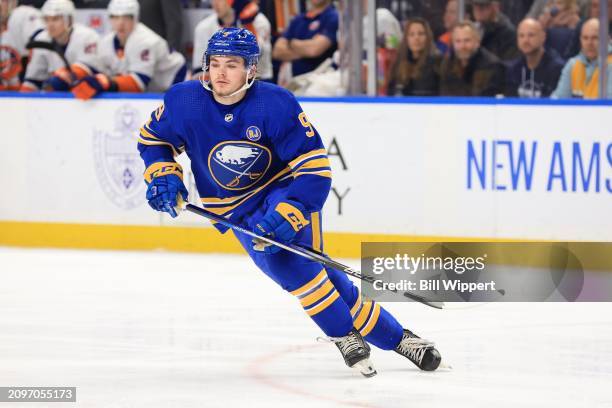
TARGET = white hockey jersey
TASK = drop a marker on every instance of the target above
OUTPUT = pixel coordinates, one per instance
(207, 27)
(81, 50)
(146, 57)
(24, 22)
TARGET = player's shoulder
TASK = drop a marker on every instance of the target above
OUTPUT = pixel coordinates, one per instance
(185, 96)
(142, 37)
(274, 92)
(84, 31)
(277, 99)
(23, 14)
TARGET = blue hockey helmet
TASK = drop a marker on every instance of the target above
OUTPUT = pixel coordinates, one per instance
(233, 41)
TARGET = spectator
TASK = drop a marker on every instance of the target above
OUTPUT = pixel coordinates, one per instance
(164, 17)
(470, 70)
(560, 13)
(18, 25)
(538, 7)
(449, 19)
(417, 70)
(516, 10)
(498, 33)
(65, 51)
(535, 74)
(310, 38)
(388, 37)
(573, 48)
(134, 58)
(230, 13)
(580, 76)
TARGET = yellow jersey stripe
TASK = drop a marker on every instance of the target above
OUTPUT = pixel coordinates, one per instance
(304, 156)
(363, 315)
(323, 305)
(311, 284)
(322, 173)
(356, 305)
(146, 133)
(225, 209)
(317, 294)
(313, 164)
(152, 143)
(372, 322)
(316, 231)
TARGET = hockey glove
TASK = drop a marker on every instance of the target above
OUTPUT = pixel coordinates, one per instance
(282, 224)
(164, 184)
(90, 86)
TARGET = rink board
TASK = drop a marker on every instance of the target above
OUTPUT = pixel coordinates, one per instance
(423, 169)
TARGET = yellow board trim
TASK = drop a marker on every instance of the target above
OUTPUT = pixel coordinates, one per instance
(595, 256)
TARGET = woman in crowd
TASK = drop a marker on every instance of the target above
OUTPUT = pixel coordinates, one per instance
(416, 71)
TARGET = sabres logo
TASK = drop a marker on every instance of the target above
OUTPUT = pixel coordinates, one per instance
(253, 133)
(238, 165)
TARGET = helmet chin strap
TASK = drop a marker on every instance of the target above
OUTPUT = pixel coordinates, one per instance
(247, 84)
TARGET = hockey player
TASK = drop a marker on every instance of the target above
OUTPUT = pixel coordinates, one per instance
(18, 25)
(70, 51)
(235, 13)
(134, 58)
(258, 161)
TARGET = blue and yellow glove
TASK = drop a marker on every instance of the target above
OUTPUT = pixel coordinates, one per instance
(282, 224)
(164, 184)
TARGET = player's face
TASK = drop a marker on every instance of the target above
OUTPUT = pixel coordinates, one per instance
(56, 26)
(227, 74)
(416, 38)
(122, 26)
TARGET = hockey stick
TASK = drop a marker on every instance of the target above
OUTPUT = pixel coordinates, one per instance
(54, 47)
(307, 253)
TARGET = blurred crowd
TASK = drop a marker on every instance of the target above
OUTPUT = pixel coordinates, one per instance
(521, 48)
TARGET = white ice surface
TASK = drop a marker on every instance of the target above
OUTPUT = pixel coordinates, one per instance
(136, 329)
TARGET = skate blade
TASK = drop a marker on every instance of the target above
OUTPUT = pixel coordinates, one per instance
(365, 367)
(444, 365)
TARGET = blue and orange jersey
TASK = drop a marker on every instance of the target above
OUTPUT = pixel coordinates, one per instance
(241, 152)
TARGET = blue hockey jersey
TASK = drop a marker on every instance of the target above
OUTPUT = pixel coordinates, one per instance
(239, 153)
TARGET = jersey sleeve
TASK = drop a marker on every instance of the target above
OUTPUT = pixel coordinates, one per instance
(158, 142)
(329, 26)
(88, 61)
(141, 63)
(300, 145)
(37, 70)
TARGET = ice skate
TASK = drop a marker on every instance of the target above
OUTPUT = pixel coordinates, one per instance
(356, 352)
(420, 351)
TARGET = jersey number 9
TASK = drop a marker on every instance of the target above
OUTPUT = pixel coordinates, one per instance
(302, 117)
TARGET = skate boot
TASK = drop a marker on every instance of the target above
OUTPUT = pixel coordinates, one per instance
(420, 351)
(356, 352)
